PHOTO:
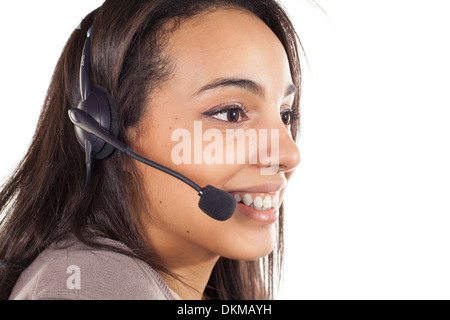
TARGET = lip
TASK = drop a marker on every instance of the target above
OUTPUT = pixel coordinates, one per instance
(269, 187)
(263, 216)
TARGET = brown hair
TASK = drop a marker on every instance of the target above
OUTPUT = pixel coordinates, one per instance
(43, 200)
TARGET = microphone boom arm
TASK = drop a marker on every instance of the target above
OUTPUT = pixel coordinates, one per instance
(83, 120)
(216, 203)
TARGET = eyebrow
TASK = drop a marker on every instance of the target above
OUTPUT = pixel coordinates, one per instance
(245, 84)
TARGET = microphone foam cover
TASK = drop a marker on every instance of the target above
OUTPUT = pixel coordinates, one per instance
(216, 203)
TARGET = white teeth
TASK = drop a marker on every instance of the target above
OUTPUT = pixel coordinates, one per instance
(247, 199)
(275, 201)
(258, 202)
(267, 203)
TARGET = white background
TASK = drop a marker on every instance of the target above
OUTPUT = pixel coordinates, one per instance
(368, 210)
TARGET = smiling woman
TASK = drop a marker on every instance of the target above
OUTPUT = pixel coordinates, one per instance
(163, 66)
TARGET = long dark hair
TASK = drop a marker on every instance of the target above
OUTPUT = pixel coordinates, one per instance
(43, 201)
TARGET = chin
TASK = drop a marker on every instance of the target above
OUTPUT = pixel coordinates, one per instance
(251, 254)
(251, 248)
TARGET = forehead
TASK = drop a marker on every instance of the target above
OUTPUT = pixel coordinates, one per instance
(227, 43)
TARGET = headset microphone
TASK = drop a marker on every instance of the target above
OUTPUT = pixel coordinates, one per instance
(97, 130)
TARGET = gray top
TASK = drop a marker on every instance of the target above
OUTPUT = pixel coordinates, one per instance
(77, 272)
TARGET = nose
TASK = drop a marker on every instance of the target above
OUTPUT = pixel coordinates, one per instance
(277, 152)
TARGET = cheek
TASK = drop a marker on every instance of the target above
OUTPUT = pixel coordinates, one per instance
(199, 153)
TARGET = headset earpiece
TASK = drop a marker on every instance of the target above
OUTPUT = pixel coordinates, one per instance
(98, 103)
(100, 106)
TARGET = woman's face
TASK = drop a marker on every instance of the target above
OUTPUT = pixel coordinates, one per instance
(224, 62)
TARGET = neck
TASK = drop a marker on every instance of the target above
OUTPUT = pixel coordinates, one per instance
(191, 265)
(190, 279)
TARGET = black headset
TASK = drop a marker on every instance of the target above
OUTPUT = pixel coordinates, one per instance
(98, 103)
(97, 130)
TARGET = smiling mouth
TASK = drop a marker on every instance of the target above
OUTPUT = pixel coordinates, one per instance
(257, 201)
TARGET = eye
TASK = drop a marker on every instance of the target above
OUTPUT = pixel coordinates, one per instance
(287, 116)
(232, 113)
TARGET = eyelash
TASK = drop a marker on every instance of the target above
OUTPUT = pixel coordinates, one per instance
(242, 112)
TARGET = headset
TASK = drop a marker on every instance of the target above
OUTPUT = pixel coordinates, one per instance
(97, 130)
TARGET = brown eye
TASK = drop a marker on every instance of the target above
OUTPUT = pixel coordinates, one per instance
(286, 117)
(233, 115)
(230, 114)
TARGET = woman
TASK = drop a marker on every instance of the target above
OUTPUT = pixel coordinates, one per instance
(131, 231)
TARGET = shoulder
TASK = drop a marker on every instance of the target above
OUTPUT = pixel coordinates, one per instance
(80, 272)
